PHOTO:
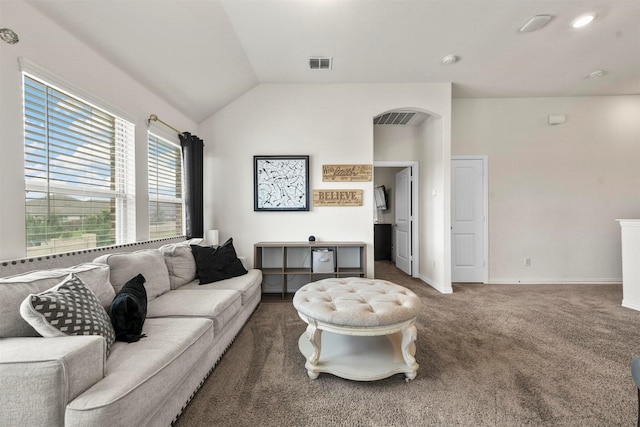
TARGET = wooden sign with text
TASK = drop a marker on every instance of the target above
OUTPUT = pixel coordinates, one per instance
(346, 173)
(337, 197)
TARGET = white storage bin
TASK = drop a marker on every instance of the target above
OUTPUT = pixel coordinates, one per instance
(323, 261)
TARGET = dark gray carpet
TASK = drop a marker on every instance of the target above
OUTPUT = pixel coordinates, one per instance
(489, 355)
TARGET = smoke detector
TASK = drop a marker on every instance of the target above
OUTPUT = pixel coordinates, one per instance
(9, 36)
(449, 59)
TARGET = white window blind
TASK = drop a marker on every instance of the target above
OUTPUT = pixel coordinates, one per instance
(165, 188)
(79, 172)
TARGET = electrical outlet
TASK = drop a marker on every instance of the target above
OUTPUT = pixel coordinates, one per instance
(527, 262)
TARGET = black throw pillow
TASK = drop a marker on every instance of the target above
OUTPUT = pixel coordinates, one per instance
(215, 264)
(129, 310)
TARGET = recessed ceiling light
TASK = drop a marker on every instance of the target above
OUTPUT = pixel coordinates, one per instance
(583, 20)
(449, 59)
(596, 74)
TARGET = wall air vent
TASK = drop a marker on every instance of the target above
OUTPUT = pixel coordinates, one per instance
(394, 118)
(320, 63)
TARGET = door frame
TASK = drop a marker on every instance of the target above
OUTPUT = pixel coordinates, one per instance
(485, 209)
(415, 205)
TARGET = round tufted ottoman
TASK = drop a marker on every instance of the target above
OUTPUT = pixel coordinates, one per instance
(368, 324)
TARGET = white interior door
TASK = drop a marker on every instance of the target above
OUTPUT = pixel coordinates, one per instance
(404, 220)
(467, 220)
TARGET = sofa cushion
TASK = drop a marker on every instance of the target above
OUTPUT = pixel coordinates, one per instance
(70, 308)
(214, 264)
(14, 289)
(180, 263)
(129, 310)
(219, 305)
(143, 373)
(247, 285)
(148, 262)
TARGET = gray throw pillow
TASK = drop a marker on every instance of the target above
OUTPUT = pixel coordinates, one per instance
(70, 308)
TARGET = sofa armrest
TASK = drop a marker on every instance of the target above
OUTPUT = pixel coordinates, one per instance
(40, 376)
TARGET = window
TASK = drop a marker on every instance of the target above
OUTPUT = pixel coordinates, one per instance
(165, 188)
(79, 172)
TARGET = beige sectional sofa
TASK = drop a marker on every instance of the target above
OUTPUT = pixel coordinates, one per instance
(70, 381)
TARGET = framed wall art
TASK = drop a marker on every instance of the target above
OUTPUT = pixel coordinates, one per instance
(281, 183)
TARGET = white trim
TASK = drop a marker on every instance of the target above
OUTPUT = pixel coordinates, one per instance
(629, 222)
(552, 281)
(630, 305)
(485, 197)
(40, 73)
(436, 286)
(415, 177)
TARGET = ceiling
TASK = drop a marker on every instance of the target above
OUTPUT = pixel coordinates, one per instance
(201, 55)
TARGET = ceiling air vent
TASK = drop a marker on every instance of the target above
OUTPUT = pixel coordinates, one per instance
(320, 63)
(394, 118)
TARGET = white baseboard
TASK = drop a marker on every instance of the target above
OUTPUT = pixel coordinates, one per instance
(551, 281)
(631, 305)
(436, 286)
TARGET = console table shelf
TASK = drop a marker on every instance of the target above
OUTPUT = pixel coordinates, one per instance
(287, 266)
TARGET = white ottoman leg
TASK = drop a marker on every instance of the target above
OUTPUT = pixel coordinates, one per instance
(314, 336)
(409, 336)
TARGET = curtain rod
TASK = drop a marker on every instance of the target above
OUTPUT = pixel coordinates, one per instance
(155, 118)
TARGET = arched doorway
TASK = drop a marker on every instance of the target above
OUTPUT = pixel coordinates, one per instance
(414, 138)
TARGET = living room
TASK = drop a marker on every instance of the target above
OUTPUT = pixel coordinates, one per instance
(554, 191)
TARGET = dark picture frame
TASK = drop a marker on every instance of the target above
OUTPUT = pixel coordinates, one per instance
(281, 183)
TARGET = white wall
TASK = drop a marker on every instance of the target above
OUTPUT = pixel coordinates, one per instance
(393, 142)
(48, 45)
(435, 258)
(555, 191)
(331, 123)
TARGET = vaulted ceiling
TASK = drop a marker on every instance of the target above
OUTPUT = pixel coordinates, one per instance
(201, 55)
